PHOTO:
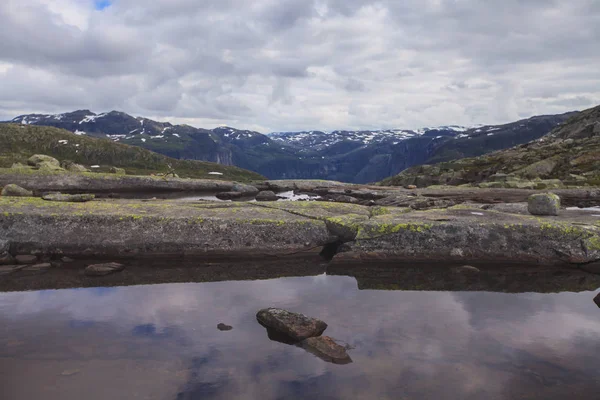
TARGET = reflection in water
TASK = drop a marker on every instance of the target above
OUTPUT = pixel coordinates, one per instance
(160, 342)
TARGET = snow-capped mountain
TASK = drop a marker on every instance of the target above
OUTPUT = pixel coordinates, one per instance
(353, 156)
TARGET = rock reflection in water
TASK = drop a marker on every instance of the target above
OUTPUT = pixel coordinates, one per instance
(160, 342)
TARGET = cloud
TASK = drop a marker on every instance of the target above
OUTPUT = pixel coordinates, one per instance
(301, 64)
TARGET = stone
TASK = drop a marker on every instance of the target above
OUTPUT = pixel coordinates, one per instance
(26, 259)
(13, 190)
(342, 198)
(43, 161)
(456, 252)
(74, 167)
(4, 246)
(229, 195)
(294, 325)
(6, 258)
(103, 269)
(67, 260)
(411, 187)
(543, 204)
(118, 171)
(70, 198)
(38, 267)
(597, 299)
(224, 327)
(326, 349)
(266, 195)
(48, 166)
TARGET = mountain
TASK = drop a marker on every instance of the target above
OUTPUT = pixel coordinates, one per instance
(567, 156)
(19, 142)
(351, 156)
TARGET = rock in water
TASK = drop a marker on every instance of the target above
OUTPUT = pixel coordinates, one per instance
(543, 204)
(296, 326)
(26, 259)
(73, 198)
(326, 349)
(12, 190)
(224, 327)
(43, 161)
(266, 195)
(103, 269)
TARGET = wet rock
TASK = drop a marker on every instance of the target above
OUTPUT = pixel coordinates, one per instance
(543, 204)
(597, 299)
(326, 349)
(13, 190)
(224, 327)
(296, 326)
(26, 259)
(103, 269)
(118, 171)
(266, 195)
(466, 269)
(72, 198)
(229, 195)
(42, 161)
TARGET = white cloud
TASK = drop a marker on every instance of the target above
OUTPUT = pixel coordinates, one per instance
(301, 64)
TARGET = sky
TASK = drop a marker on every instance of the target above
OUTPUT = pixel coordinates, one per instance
(285, 65)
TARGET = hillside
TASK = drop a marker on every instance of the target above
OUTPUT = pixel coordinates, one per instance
(351, 156)
(569, 155)
(19, 142)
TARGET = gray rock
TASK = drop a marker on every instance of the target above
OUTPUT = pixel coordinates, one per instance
(67, 260)
(224, 327)
(229, 195)
(326, 349)
(296, 326)
(266, 195)
(342, 198)
(74, 167)
(543, 204)
(6, 258)
(38, 267)
(118, 171)
(26, 259)
(103, 269)
(13, 190)
(41, 161)
(72, 198)
(466, 269)
(4, 246)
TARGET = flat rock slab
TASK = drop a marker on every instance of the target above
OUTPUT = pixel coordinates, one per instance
(296, 326)
(73, 198)
(326, 349)
(26, 259)
(103, 269)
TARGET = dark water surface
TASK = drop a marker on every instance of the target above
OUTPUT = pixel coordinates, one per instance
(161, 342)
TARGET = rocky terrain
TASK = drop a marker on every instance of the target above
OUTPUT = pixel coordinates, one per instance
(567, 156)
(349, 156)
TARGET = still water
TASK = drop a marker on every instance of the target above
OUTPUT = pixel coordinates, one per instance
(161, 342)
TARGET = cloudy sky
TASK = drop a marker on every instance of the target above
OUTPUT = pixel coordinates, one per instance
(274, 65)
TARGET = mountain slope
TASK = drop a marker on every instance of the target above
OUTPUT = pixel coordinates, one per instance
(569, 153)
(351, 156)
(19, 142)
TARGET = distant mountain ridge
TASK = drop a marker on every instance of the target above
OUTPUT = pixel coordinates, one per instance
(352, 156)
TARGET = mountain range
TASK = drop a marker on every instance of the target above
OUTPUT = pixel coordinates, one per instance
(350, 156)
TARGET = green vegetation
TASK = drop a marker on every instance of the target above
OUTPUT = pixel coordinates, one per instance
(19, 142)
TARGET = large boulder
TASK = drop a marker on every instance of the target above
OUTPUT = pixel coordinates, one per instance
(266, 195)
(543, 204)
(43, 161)
(103, 269)
(12, 190)
(73, 167)
(326, 349)
(296, 326)
(72, 198)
